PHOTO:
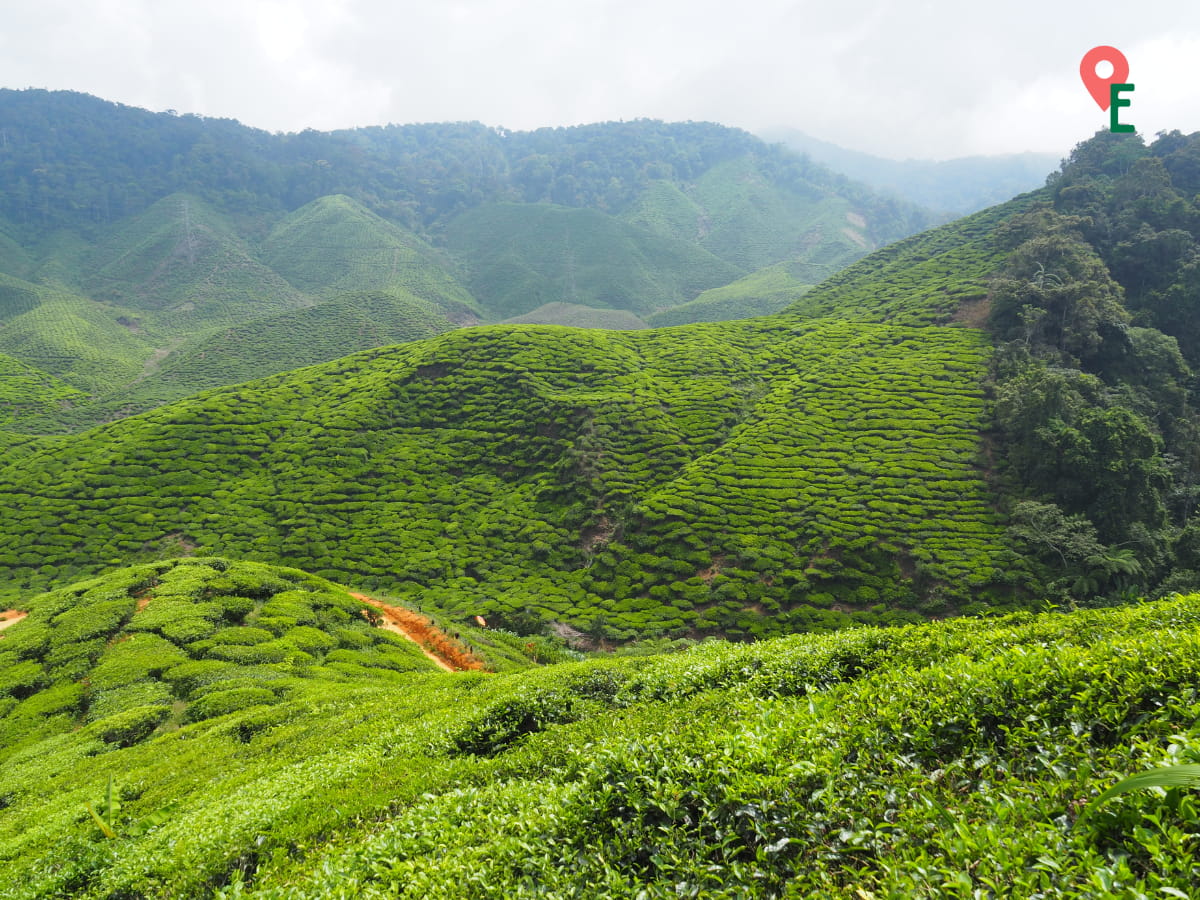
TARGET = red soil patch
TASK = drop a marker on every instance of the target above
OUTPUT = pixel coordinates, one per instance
(11, 617)
(434, 643)
(142, 603)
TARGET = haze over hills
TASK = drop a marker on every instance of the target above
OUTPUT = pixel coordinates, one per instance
(954, 186)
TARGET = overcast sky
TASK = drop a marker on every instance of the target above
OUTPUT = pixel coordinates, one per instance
(920, 78)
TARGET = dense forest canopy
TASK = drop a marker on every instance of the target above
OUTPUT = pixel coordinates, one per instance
(73, 160)
(1097, 315)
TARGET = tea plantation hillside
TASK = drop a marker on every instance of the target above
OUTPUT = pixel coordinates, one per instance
(782, 474)
(951, 759)
(574, 315)
(25, 389)
(926, 278)
(760, 293)
(73, 338)
(144, 650)
(522, 256)
(738, 477)
(334, 245)
(183, 267)
(141, 237)
(319, 333)
(200, 311)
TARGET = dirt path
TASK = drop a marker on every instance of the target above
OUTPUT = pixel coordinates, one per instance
(11, 617)
(434, 642)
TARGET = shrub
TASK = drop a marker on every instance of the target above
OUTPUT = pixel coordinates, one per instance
(130, 726)
(219, 703)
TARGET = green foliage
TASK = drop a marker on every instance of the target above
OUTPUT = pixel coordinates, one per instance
(760, 293)
(76, 341)
(942, 759)
(25, 390)
(1099, 434)
(218, 703)
(523, 256)
(334, 245)
(106, 655)
(182, 267)
(685, 481)
(130, 726)
(927, 278)
(1163, 778)
(573, 315)
(150, 257)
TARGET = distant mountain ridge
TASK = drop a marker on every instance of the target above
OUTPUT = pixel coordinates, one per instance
(957, 186)
(152, 236)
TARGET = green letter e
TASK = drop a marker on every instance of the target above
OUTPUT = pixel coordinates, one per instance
(1114, 96)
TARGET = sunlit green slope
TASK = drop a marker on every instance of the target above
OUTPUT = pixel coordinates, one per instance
(150, 648)
(922, 279)
(576, 316)
(319, 333)
(760, 293)
(24, 389)
(752, 225)
(731, 477)
(245, 734)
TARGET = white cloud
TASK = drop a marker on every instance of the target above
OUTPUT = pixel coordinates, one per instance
(933, 78)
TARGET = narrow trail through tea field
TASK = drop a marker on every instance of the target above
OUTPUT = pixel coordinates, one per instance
(11, 617)
(434, 642)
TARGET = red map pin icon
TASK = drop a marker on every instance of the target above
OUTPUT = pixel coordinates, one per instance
(1097, 86)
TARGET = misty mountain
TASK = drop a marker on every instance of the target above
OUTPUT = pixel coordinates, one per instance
(958, 186)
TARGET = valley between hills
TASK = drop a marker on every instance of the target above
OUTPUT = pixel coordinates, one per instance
(785, 539)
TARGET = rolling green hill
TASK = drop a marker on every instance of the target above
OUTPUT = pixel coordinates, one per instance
(734, 477)
(175, 301)
(523, 256)
(835, 463)
(576, 316)
(14, 258)
(760, 293)
(154, 235)
(752, 225)
(24, 388)
(160, 645)
(990, 417)
(70, 337)
(185, 268)
(326, 331)
(334, 245)
(204, 728)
